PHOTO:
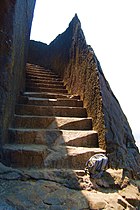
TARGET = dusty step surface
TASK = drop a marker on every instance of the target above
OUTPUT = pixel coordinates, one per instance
(54, 137)
(66, 123)
(24, 155)
(54, 78)
(58, 111)
(43, 89)
(44, 81)
(39, 70)
(48, 80)
(50, 102)
(49, 95)
(42, 85)
(79, 138)
(70, 157)
(42, 75)
(30, 71)
(34, 67)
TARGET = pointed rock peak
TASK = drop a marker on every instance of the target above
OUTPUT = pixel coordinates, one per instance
(76, 17)
(75, 20)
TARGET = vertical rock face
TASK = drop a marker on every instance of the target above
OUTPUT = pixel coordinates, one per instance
(75, 61)
(15, 23)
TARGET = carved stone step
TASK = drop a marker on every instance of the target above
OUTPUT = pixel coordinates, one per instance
(22, 155)
(44, 85)
(31, 70)
(33, 67)
(79, 138)
(39, 68)
(66, 123)
(22, 109)
(50, 95)
(44, 81)
(44, 77)
(54, 137)
(38, 156)
(50, 102)
(43, 89)
(70, 157)
(40, 72)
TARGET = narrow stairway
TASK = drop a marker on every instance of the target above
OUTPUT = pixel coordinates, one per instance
(50, 128)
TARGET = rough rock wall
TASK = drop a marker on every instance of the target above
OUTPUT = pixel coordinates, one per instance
(70, 57)
(15, 23)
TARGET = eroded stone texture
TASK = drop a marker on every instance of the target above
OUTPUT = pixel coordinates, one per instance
(15, 23)
(66, 189)
(75, 61)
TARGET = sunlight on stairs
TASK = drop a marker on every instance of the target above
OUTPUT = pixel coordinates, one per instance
(50, 128)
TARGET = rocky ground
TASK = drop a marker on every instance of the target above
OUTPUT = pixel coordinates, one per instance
(66, 190)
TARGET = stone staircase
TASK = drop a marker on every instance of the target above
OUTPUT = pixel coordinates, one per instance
(50, 128)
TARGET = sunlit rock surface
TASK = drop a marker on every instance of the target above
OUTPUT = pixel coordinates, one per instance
(60, 189)
(75, 61)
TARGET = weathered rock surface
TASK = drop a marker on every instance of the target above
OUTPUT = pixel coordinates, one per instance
(73, 60)
(15, 23)
(61, 189)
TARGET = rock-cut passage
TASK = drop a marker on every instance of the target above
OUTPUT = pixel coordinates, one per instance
(50, 128)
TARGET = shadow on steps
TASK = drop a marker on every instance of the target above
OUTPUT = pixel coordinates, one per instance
(50, 143)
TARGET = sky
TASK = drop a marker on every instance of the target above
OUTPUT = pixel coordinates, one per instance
(112, 29)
